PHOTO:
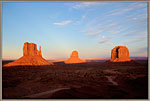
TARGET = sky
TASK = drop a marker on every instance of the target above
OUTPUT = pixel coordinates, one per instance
(91, 28)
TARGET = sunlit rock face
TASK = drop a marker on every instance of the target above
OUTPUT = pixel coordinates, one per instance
(31, 57)
(74, 58)
(120, 54)
(30, 49)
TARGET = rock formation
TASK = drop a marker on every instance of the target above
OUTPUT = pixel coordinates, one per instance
(30, 49)
(39, 52)
(120, 54)
(74, 58)
(31, 57)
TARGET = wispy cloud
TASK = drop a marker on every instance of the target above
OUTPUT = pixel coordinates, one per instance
(116, 30)
(134, 33)
(86, 4)
(107, 28)
(94, 33)
(138, 17)
(127, 9)
(63, 23)
(138, 39)
(120, 26)
(113, 24)
(123, 25)
(84, 16)
(103, 41)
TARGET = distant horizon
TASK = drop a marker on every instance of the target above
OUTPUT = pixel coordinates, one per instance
(88, 58)
(91, 28)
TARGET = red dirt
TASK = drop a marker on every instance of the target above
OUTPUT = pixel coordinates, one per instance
(88, 80)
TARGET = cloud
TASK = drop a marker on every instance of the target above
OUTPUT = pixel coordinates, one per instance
(134, 33)
(94, 33)
(131, 7)
(103, 41)
(138, 39)
(113, 24)
(63, 23)
(86, 4)
(109, 28)
(103, 36)
(124, 25)
(138, 17)
(104, 23)
(84, 16)
(120, 26)
(122, 11)
(141, 5)
(141, 38)
(134, 19)
(115, 31)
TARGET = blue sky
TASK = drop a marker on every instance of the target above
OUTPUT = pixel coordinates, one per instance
(91, 28)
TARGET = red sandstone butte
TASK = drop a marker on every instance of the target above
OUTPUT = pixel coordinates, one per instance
(120, 54)
(74, 58)
(31, 57)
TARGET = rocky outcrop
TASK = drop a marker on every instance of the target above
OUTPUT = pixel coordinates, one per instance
(39, 52)
(30, 49)
(31, 57)
(74, 58)
(120, 54)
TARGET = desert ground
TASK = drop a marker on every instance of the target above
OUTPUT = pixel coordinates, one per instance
(90, 80)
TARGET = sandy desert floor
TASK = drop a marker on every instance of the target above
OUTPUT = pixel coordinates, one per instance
(92, 80)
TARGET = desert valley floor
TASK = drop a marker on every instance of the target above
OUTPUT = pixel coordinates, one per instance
(92, 80)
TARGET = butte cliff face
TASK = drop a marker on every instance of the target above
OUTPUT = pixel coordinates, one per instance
(31, 57)
(120, 54)
(74, 58)
(30, 49)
